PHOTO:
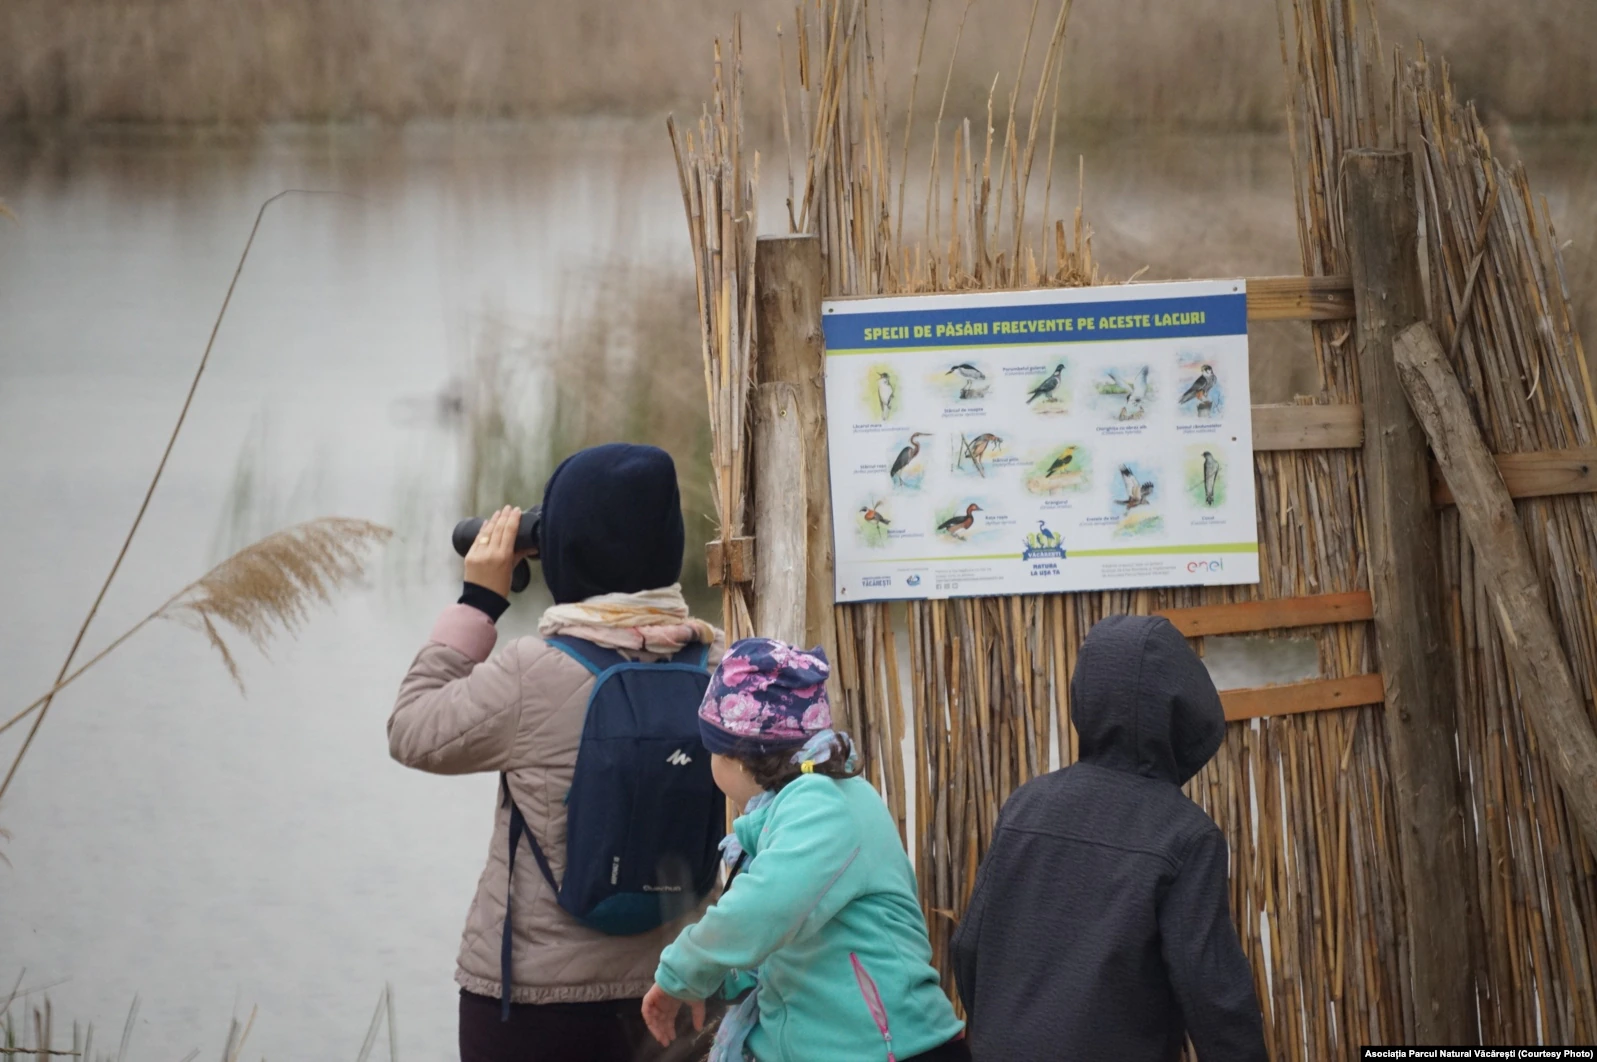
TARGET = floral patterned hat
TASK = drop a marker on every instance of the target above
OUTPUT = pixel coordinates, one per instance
(765, 697)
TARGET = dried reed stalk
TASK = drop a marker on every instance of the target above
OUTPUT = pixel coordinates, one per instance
(718, 196)
(1497, 291)
(43, 705)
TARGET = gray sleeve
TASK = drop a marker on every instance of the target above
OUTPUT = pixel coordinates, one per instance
(1211, 977)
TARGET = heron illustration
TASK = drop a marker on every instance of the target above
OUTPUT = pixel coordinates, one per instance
(977, 448)
(1042, 538)
(906, 455)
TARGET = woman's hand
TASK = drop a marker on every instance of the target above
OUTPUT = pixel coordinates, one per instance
(492, 557)
(660, 1014)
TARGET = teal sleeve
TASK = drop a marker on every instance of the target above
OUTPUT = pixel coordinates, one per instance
(737, 982)
(797, 883)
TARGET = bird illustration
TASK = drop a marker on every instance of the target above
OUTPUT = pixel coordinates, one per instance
(1136, 393)
(1046, 389)
(1136, 493)
(872, 515)
(968, 371)
(906, 455)
(884, 393)
(978, 447)
(954, 525)
(1061, 463)
(1042, 538)
(1211, 472)
(1200, 387)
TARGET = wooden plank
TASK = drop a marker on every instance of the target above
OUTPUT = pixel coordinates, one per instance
(791, 348)
(1317, 695)
(1294, 427)
(732, 560)
(1547, 694)
(1534, 475)
(779, 505)
(1382, 231)
(1300, 298)
(1250, 617)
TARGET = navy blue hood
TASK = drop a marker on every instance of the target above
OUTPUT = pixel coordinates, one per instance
(612, 523)
(1143, 702)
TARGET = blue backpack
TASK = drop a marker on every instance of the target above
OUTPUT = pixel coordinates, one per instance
(644, 819)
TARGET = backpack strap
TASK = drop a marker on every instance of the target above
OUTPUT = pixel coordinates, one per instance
(518, 827)
(596, 658)
(696, 654)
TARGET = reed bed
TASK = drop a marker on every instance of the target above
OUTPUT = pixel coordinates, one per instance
(1306, 800)
(1499, 298)
(718, 196)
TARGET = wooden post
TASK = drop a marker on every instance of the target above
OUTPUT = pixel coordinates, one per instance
(790, 348)
(1383, 237)
(1547, 694)
(780, 564)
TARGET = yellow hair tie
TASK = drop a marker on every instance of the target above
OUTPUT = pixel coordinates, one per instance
(807, 767)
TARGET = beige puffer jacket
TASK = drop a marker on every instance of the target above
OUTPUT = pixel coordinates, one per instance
(521, 713)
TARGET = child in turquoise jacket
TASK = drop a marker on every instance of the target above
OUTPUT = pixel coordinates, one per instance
(820, 918)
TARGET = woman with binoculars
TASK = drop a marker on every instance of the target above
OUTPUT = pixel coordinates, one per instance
(592, 726)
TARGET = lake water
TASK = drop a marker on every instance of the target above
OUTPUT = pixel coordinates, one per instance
(211, 852)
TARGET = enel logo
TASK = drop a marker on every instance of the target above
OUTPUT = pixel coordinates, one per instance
(1206, 566)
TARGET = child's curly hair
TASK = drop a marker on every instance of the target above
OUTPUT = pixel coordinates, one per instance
(773, 770)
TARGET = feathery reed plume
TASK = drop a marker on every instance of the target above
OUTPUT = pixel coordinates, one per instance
(264, 589)
(5, 211)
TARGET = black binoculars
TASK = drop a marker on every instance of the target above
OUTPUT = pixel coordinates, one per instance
(526, 539)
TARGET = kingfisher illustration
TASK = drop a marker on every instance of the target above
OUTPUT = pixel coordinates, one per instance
(1211, 472)
(1046, 389)
(1061, 463)
(884, 393)
(1136, 493)
(1200, 387)
(978, 447)
(907, 454)
(956, 525)
(872, 515)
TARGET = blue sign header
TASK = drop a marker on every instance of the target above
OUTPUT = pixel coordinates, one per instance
(1051, 322)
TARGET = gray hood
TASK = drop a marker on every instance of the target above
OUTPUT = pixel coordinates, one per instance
(1143, 702)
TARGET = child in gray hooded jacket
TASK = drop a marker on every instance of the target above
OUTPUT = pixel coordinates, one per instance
(1099, 927)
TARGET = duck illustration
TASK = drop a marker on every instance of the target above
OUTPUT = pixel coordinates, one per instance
(956, 525)
(907, 454)
(1211, 472)
(977, 448)
(1136, 493)
(873, 516)
(1061, 463)
(1046, 389)
(884, 393)
(1200, 387)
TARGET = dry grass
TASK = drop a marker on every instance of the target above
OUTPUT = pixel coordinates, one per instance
(1145, 62)
(618, 364)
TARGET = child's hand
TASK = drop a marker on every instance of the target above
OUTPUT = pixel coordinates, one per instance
(660, 1014)
(492, 557)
